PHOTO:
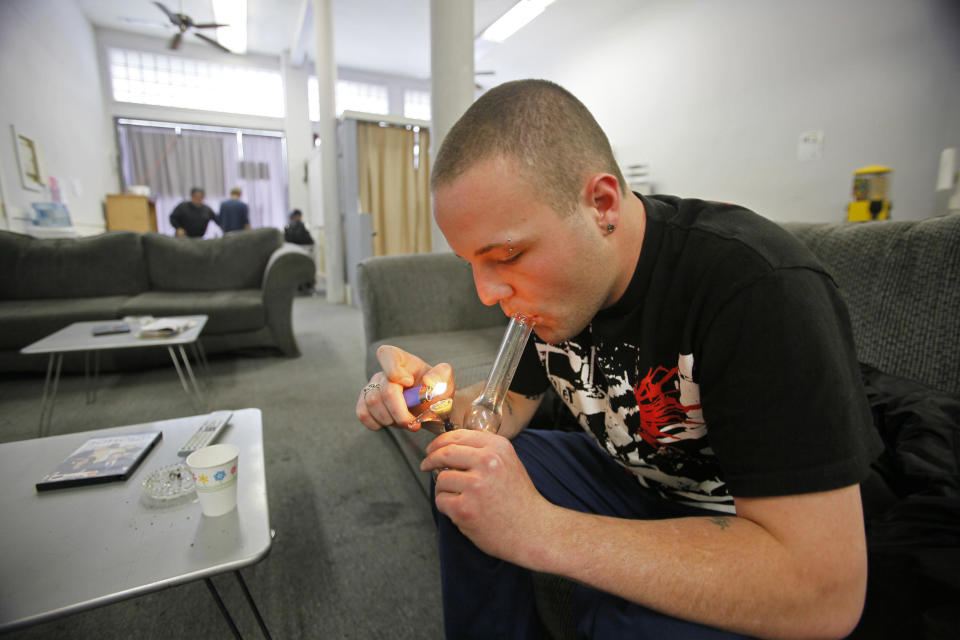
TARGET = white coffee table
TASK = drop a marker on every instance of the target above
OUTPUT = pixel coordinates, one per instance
(71, 549)
(79, 337)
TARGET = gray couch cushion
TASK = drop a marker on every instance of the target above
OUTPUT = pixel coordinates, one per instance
(420, 293)
(228, 311)
(26, 321)
(899, 279)
(110, 264)
(236, 261)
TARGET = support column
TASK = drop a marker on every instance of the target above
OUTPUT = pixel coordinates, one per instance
(299, 135)
(326, 69)
(451, 75)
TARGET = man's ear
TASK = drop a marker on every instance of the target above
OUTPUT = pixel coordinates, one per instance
(602, 194)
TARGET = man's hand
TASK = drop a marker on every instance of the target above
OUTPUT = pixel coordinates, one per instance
(482, 486)
(381, 401)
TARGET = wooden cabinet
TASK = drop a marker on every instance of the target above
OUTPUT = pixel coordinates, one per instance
(130, 212)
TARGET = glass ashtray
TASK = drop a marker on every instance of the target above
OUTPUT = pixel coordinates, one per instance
(169, 485)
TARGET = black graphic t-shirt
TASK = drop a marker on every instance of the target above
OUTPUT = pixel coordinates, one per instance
(726, 369)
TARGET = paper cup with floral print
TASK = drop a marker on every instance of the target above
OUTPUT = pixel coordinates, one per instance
(214, 470)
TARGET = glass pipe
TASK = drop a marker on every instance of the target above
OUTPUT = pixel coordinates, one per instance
(486, 412)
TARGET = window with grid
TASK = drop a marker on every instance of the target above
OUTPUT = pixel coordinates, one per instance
(416, 104)
(173, 81)
(350, 96)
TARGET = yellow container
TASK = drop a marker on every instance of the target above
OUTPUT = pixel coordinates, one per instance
(867, 210)
(870, 194)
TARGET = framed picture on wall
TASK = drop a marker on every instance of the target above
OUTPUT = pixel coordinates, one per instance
(28, 159)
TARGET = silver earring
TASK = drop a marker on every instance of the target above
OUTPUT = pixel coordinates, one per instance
(610, 228)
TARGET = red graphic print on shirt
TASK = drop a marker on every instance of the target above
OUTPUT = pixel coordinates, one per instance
(659, 407)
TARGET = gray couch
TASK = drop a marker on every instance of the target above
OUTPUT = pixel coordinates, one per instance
(245, 282)
(901, 283)
(899, 279)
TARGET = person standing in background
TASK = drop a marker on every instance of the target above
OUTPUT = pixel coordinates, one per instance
(191, 217)
(234, 214)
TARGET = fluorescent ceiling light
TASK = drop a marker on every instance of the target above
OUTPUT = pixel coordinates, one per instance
(514, 19)
(233, 13)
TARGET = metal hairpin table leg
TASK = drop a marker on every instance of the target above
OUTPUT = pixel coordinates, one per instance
(226, 614)
(195, 393)
(46, 403)
(201, 356)
(91, 382)
(176, 365)
(253, 605)
(223, 609)
(86, 377)
(186, 365)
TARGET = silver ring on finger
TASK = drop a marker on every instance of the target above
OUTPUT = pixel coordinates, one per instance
(370, 387)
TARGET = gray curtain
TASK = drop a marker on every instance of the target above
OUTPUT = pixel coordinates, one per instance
(171, 164)
(262, 175)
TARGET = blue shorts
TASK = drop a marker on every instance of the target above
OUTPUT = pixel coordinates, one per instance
(487, 598)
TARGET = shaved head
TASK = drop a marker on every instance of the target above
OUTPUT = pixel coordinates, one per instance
(550, 135)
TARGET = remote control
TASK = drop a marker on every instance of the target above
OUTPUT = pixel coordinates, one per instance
(212, 425)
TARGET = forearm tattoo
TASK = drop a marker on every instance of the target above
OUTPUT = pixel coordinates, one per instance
(509, 405)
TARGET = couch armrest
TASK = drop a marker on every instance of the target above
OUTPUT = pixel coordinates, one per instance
(420, 294)
(289, 267)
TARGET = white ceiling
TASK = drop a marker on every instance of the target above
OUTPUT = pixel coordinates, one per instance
(381, 36)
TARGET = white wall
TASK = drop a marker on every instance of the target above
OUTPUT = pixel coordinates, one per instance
(714, 95)
(50, 83)
(299, 132)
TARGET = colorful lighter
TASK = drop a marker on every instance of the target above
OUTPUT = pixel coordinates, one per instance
(418, 395)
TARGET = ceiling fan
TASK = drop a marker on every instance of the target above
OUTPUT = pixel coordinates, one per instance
(481, 73)
(184, 23)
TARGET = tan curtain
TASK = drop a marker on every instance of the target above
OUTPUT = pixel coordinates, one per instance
(395, 187)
